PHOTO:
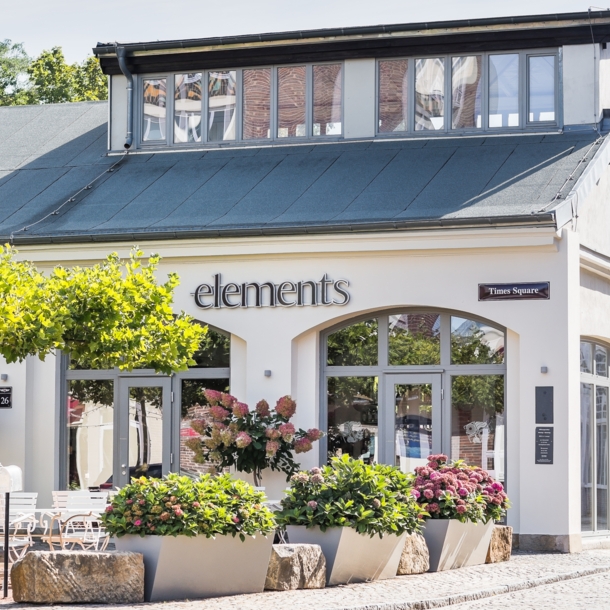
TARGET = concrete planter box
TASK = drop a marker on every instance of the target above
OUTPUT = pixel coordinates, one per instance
(350, 556)
(453, 544)
(191, 568)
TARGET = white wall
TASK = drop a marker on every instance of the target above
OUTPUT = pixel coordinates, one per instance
(118, 112)
(604, 78)
(579, 84)
(593, 223)
(359, 98)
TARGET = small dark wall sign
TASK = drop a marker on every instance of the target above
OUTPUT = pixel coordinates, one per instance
(544, 445)
(515, 292)
(6, 398)
(544, 405)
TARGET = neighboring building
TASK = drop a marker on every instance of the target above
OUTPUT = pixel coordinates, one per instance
(406, 228)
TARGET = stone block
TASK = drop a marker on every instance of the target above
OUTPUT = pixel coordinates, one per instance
(63, 577)
(296, 566)
(501, 544)
(415, 557)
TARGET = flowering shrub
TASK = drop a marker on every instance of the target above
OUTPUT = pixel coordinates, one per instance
(349, 493)
(178, 505)
(250, 440)
(454, 490)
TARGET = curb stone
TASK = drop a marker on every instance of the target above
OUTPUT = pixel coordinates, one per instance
(452, 600)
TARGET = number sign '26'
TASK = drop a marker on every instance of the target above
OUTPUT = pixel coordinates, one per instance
(6, 398)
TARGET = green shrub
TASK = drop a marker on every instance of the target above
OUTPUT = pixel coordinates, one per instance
(349, 493)
(180, 506)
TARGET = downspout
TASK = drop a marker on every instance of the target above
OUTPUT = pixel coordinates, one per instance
(120, 53)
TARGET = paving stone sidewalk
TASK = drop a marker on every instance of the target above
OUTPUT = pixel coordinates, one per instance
(489, 583)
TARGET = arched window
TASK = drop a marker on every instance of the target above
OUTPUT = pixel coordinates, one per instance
(400, 386)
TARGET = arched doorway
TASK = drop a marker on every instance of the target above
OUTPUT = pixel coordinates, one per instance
(401, 385)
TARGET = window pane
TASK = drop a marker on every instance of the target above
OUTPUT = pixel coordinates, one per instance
(413, 425)
(187, 108)
(155, 108)
(504, 90)
(327, 93)
(145, 432)
(429, 93)
(477, 421)
(355, 345)
(90, 433)
(475, 342)
(352, 418)
(601, 420)
(601, 361)
(194, 406)
(291, 83)
(541, 88)
(586, 457)
(586, 357)
(466, 73)
(257, 103)
(221, 106)
(414, 339)
(214, 351)
(393, 85)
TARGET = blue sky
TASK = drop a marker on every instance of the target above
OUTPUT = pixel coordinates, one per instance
(77, 25)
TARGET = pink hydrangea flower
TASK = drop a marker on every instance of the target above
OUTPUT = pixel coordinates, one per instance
(212, 396)
(109, 509)
(462, 491)
(313, 434)
(272, 448)
(461, 509)
(434, 476)
(273, 433)
(218, 413)
(429, 494)
(497, 486)
(432, 508)
(287, 431)
(312, 504)
(315, 470)
(262, 408)
(242, 440)
(137, 522)
(317, 479)
(130, 501)
(286, 407)
(415, 493)
(240, 410)
(226, 400)
(235, 519)
(302, 445)
(196, 505)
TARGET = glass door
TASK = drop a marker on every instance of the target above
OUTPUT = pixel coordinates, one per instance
(144, 416)
(415, 425)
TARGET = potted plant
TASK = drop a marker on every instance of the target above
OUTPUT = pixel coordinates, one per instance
(462, 502)
(359, 514)
(194, 534)
(250, 440)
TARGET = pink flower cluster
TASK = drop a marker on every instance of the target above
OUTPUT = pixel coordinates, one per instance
(442, 488)
(286, 407)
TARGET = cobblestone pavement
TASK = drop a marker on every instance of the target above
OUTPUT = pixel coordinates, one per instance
(503, 585)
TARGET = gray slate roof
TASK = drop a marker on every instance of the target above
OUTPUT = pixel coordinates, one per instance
(49, 153)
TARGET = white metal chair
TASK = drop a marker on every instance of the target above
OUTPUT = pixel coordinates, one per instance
(22, 521)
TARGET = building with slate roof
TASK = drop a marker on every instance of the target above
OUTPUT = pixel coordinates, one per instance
(404, 227)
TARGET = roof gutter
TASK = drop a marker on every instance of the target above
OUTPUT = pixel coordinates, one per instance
(120, 53)
(527, 220)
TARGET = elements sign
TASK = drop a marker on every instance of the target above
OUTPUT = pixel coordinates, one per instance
(544, 445)
(6, 398)
(515, 292)
(267, 294)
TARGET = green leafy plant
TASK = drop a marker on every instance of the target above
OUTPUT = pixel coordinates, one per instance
(250, 440)
(180, 506)
(372, 500)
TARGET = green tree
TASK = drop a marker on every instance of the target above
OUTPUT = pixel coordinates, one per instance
(111, 314)
(52, 78)
(14, 62)
(90, 83)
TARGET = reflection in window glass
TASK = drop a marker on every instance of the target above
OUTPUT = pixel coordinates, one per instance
(214, 351)
(429, 94)
(353, 418)
(195, 407)
(145, 432)
(414, 339)
(221, 106)
(413, 425)
(354, 345)
(601, 361)
(586, 357)
(187, 108)
(291, 83)
(586, 453)
(601, 443)
(257, 103)
(475, 342)
(327, 94)
(393, 95)
(155, 108)
(477, 421)
(90, 420)
(504, 90)
(466, 73)
(541, 88)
